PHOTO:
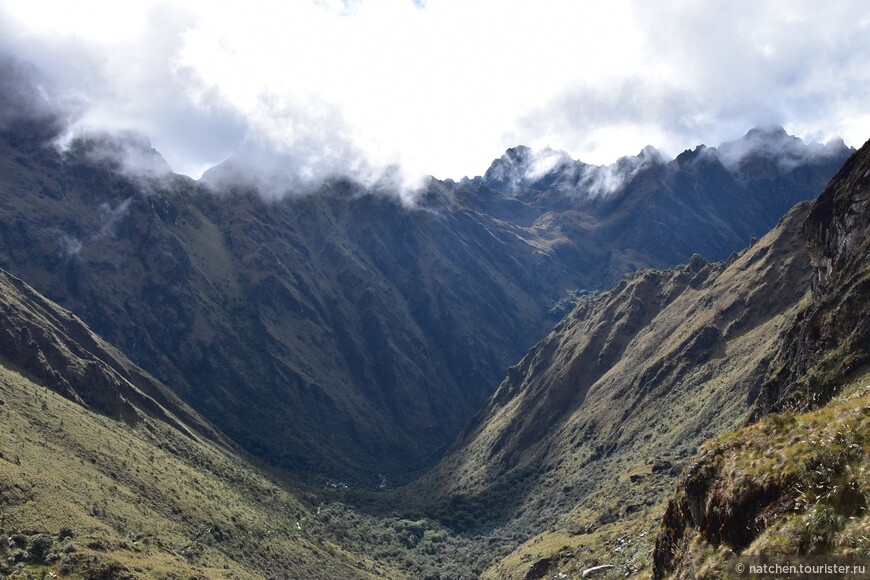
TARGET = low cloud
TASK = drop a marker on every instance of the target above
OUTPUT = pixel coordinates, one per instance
(786, 151)
(110, 216)
(524, 168)
(276, 171)
(388, 90)
(69, 245)
(604, 180)
(126, 152)
(31, 102)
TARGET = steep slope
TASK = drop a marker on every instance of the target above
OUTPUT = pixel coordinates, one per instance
(105, 474)
(344, 333)
(54, 347)
(829, 339)
(587, 432)
(794, 484)
(785, 490)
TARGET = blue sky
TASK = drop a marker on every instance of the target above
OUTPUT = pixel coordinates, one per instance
(444, 86)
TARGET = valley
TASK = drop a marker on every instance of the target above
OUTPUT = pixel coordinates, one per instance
(227, 385)
(341, 333)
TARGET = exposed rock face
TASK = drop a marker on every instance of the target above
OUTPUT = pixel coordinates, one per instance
(718, 509)
(830, 336)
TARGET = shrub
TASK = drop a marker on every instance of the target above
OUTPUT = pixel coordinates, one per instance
(822, 522)
(40, 547)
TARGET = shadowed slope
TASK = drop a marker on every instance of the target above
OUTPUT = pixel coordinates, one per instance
(590, 428)
(342, 333)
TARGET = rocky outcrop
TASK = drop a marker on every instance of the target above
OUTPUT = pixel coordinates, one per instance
(787, 486)
(718, 510)
(829, 338)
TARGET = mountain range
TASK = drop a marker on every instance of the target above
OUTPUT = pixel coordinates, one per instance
(601, 420)
(342, 333)
(221, 381)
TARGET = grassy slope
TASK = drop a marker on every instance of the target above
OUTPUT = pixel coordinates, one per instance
(128, 472)
(587, 459)
(146, 499)
(789, 484)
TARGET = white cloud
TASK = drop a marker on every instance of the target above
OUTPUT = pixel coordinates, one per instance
(446, 86)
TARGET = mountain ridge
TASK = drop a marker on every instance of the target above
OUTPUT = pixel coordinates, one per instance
(728, 505)
(588, 435)
(312, 330)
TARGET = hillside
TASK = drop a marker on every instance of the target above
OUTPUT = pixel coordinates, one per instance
(586, 437)
(788, 485)
(344, 333)
(794, 484)
(105, 474)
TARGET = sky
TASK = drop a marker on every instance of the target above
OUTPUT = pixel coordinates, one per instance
(442, 87)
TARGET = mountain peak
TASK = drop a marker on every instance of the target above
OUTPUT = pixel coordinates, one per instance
(522, 167)
(774, 148)
(766, 131)
(127, 152)
(507, 173)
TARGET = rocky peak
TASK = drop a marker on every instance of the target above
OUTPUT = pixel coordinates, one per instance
(548, 169)
(520, 166)
(126, 152)
(770, 151)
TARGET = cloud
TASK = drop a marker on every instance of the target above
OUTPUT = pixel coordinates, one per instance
(524, 168)
(69, 245)
(110, 216)
(126, 152)
(28, 98)
(709, 71)
(321, 87)
(111, 70)
(786, 151)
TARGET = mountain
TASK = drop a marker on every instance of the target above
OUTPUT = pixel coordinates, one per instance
(588, 431)
(794, 483)
(586, 437)
(54, 347)
(105, 473)
(344, 333)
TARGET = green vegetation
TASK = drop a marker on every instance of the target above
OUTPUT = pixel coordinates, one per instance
(791, 484)
(81, 494)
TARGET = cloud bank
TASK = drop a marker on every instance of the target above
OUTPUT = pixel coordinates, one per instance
(314, 88)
